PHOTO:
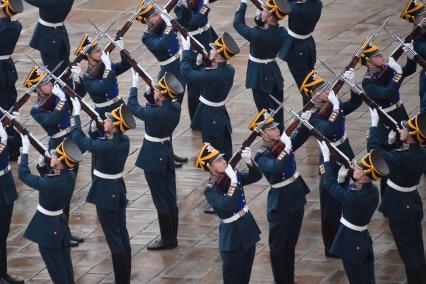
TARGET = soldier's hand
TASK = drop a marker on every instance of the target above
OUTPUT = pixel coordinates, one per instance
(246, 154)
(25, 144)
(391, 137)
(350, 75)
(394, 65)
(186, 43)
(57, 91)
(183, 3)
(135, 79)
(324, 150)
(76, 106)
(374, 117)
(3, 134)
(120, 42)
(306, 115)
(199, 60)
(287, 142)
(342, 174)
(75, 71)
(407, 49)
(106, 60)
(93, 126)
(41, 162)
(334, 100)
(232, 175)
(244, 1)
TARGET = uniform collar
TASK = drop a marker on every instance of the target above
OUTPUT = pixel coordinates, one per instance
(7, 19)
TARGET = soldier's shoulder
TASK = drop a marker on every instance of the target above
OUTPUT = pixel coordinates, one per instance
(262, 150)
(369, 75)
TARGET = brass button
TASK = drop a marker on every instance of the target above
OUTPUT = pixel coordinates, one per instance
(161, 159)
(214, 122)
(300, 53)
(357, 248)
(113, 196)
(55, 233)
(408, 206)
(53, 41)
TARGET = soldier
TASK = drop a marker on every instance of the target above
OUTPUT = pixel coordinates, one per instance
(9, 33)
(50, 36)
(108, 190)
(156, 156)
(263, 73)
(162, 42)
(193, 15)
(300, 50)
(238, 231)
(401, 202)
(353, 242)
(101, 83)
(286, 198)
(332, 125)
(211, 116)
(49, 227)
(415, 12)
(8, 195)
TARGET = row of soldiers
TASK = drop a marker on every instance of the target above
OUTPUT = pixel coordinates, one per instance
(344, 236)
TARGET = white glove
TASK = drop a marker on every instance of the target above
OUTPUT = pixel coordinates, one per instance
(350, 75)
(183, 3)
(407, 49)
(57, 91)
(135, 79)
(394, 65)
(232, 175)
(76, 106)
(342, 174)
(93, 126)
(287, 142)
(186, 43)
(391, 137)
(306, 115)
(199, 60)
(25, 144)
(3, 134)
(106, 60)
(374, 117)
(41, 162)
(244, 1)
(334, 100)
(324, 150)
(75, 71)
(120, 42)
(246, 154)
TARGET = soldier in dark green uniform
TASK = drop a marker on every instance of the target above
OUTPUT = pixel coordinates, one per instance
(331, 125)
(401, 202)
(238, 231)
(300, 50)
(263, 73)
(49, 227)
(50, 36)
(286, 198)
(8, 195)
(9, 34)
(353, 243)
(156, 155)
(415, 12)
(216, 82)
(108, 190)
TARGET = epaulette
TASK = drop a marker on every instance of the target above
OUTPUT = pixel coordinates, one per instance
(369, 75)
(213, 67)
(168, 30)
(262, 150)
(2, 147)
(204, 10)
(52, 175)
(60, 106)
(402, 149)
(210, 184)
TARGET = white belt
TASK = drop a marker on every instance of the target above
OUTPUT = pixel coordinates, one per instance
(49, 213)
(62, 133)
(170, 60)
(106, 176)
(200, 30)
(352, 226)
(258, 60)
(156, 139)
(108, 103)
(392, 107)
(51, 25)
(293, 34)
(236, 216)
(400, 188)
(209, 103)
(5, 57)
(341, 140)
(286, 181)
(5, 171)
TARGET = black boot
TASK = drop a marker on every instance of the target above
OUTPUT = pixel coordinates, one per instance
(119, 263)
(175, 221)
(209, 210)
(10, 280)
(77, 239)
(180, 159)
(178, 165)
(5, 278)
(166, 232)
(415, 276)
(278, 268)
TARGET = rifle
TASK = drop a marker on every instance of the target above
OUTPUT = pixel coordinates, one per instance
(71, 93)
(195, 44)
(236, 158)
(334, 151)
(258, 4)
(9, 119)
(396, 54)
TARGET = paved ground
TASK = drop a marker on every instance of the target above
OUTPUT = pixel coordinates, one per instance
(343, 25)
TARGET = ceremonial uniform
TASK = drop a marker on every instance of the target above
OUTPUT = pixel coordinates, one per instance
(263, 73)
(50, 35)
(300, 50)
(403, 205)
(353, 242)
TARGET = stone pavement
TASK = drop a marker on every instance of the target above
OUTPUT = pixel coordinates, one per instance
(343, 25)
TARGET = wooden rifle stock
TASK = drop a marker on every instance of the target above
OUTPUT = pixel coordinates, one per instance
(132, 62)
(258, 4)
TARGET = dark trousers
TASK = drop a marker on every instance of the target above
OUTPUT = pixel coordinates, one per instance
(8, 96)
(115, 230)
(331, 210)
(223, 143)
(5, 218)
(360, 273)
(409, 241)
(51, 60)
(193, 91)
(58, 263)
(422, 91)
(262, 100)
(237, 265)
(284, 230)
(163, 190)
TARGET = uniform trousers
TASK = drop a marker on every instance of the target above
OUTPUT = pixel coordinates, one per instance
(237, 265)
(58, 263)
